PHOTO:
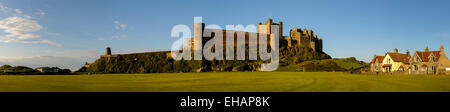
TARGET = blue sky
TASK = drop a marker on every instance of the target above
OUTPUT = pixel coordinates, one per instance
(74, 31)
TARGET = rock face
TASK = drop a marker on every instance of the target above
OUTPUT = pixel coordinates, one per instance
(161, 62)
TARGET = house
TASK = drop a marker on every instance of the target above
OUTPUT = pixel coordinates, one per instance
(444, 62)
(396, 62)
(375, 64)
(429, 62)
(48, 69)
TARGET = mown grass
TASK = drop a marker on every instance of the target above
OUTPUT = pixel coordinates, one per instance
(226, 82)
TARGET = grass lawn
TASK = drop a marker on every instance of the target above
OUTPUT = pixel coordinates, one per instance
(226, 82)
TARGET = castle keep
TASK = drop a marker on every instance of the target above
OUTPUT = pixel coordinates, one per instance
(296, 36)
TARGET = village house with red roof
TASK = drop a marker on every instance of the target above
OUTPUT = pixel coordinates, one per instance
(395, 61)
(421, 62)
(376, 64)
(429, 62)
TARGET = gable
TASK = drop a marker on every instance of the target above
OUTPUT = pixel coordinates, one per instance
(399, 57)
(386, 59)
(425, 56)
(378, 59)
(432, 58)
(416, 58)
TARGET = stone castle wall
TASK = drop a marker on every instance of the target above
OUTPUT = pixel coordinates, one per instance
(297, 36)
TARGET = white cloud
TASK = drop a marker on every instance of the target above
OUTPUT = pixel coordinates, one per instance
(119, 36)
(4, 8)
(43, 42)
(20, 30)
(119, 26)
(18, 11)
(27, 16)
(41, 12)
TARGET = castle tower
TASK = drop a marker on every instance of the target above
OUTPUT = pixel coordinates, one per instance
(198, 40)
(426, 49)
(320, 46)
(269, 26)
(108, 51)
(395, 50)
(280, 28)
(442, 48)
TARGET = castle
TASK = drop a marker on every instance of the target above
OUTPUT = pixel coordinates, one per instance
(297, 37)
(234, 40)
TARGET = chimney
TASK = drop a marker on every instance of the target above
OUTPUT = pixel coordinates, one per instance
(395, 50)
(407, 53)
(426, 49)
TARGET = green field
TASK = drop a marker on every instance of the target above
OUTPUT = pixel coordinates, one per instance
(226, 82)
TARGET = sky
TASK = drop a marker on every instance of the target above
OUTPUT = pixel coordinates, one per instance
(68, 33)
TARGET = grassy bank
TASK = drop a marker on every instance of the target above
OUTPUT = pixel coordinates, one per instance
(225, 82)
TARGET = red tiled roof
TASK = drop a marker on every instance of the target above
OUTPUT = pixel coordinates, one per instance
(399, 57)
(424, 65)
(424, 55)
(380, 59)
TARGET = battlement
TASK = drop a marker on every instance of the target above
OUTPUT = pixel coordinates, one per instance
(298, 37)
(306, 37)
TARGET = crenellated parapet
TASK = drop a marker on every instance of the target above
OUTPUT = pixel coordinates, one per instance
(307, 38)
(297, 36)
